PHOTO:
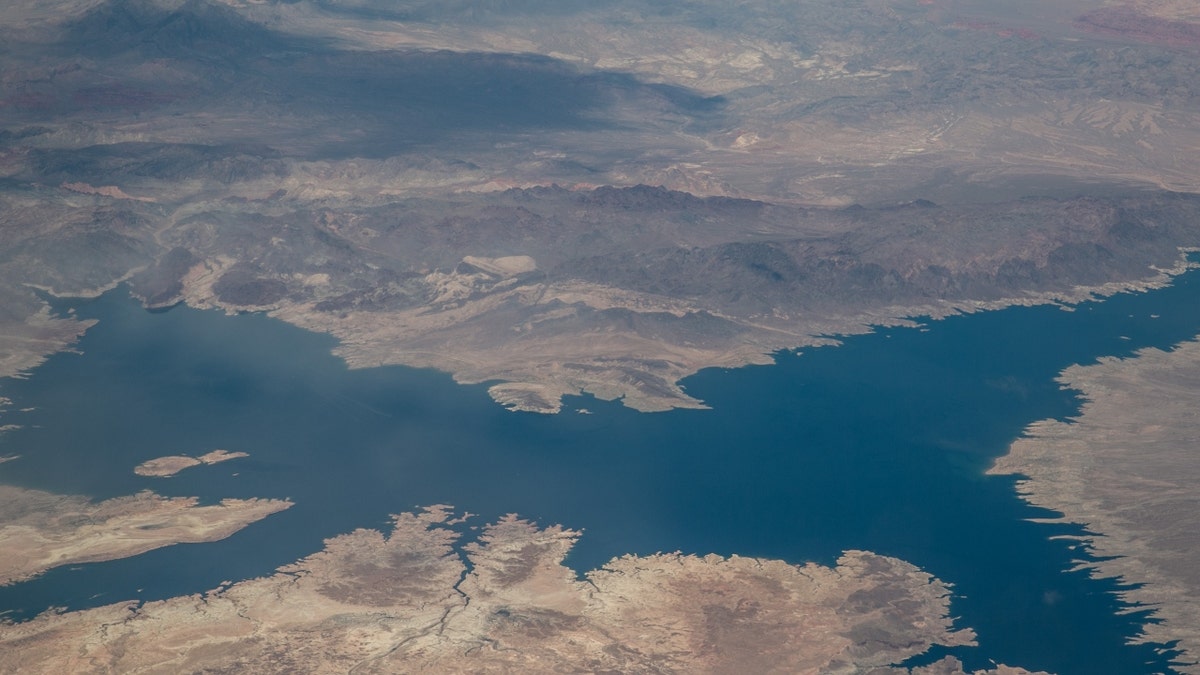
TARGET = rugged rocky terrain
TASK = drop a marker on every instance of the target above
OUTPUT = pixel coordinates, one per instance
(341, 181)
(416, 599)
(282, 158)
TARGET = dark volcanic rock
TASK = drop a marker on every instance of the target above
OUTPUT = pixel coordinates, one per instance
(1128, 22)
(119, 162)
(160, 284)
(241, 285)
(196, 30)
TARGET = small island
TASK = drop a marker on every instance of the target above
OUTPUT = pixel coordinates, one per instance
(164, 467)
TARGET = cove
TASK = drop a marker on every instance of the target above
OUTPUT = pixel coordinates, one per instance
(878, 444)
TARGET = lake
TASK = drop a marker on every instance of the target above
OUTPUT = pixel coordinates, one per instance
(880, 443)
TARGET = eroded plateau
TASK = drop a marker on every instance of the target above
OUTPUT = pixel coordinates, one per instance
(415, 598)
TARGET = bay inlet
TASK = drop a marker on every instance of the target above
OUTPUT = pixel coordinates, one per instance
(880, 444)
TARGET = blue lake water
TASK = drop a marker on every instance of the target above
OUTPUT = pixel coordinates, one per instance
(878, 444)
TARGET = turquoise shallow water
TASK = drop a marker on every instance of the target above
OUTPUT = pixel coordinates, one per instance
(878, 444)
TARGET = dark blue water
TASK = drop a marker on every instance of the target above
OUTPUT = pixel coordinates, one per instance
(878, 444)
